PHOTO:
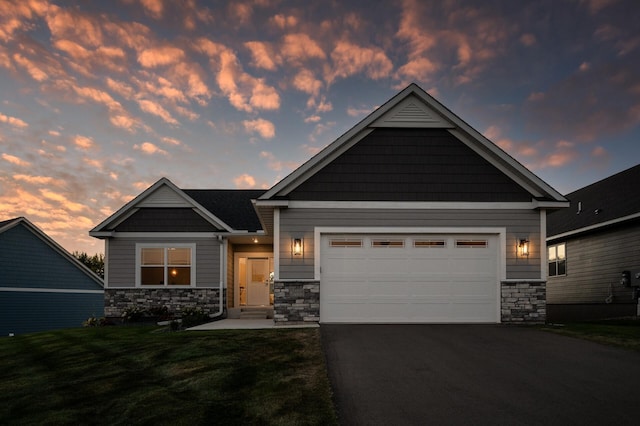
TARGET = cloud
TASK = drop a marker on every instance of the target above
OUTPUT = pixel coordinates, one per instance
(150, 149)
(262, 55)
(358, 112)
(83, 142)
(153, 8)
(15, 160)
(283, 22)
(528, 39)
(13, 121)
(160, 56)
(171, 141)
(72, 24)
(244, 181)
(157, 110)
(264, 128)
(306, 82)
(62, 200)
(298, 48)
(39, 180)
(245, 93)
(349, 59)
(277, 165)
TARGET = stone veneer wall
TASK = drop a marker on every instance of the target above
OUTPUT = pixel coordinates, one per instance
(116, 301)
(296, 302)
(523, 302)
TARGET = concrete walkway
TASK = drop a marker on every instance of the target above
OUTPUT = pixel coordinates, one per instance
(245, 324)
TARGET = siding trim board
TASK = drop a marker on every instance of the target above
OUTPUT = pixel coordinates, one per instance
(407, 205)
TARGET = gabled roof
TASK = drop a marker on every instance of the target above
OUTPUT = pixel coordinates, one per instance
(227, 210)
(233, 206)
(413, 107)
(12, 223)
(612, 200)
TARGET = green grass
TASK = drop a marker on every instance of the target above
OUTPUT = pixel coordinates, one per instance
(136, 375)
(623, 333)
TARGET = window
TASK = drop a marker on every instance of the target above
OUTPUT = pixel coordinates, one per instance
(346, 243)
(471, 243)
(166, 266)
(557, 260)
(429, 243)
(387, 243)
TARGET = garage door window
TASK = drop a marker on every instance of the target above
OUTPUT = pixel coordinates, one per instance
(346, 243)
(471, 243)
(387, 243)
(429, 243)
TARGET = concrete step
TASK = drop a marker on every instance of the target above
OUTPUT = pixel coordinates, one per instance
(253, 315)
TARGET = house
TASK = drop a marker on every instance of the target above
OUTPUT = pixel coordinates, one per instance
(411, 216)
(590, 244)
(42, 286)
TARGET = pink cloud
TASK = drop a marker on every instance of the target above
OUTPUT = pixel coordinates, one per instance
(528, 39)
(15, 160)
(244, 181)
(74, 25)
(149, 148)
(281, 21)
(300, 47)
(31, 67)
(153, 8)
(160, 56)
(157, 110)
(13, 121)
(83, 142)
(62, 200)
(263, 127)
(262, 55)
(349, 59)
(277, 165)
(39, 180)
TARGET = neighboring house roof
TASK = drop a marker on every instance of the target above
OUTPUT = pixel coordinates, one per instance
(227, 210)
(612, 200)
(21, 221)
(413, 107)
(233, 206)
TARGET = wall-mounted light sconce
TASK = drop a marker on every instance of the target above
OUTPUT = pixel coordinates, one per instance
(523, 246)
(297, 246)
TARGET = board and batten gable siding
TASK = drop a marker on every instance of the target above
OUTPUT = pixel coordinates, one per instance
(27, 261)
(156, 219)
(409, 164)
(122, 260)
(295, 223)
(595, 262)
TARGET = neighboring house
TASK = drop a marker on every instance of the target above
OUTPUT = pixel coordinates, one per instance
(411, 216)
(42, 286)
(589, 246)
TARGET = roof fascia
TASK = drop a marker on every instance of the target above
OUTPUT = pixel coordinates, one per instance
(594, 227)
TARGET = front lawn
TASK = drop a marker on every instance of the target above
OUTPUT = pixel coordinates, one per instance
(137, 375)
(624, 333)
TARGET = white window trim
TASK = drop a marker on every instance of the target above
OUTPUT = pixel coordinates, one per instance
(165, 245)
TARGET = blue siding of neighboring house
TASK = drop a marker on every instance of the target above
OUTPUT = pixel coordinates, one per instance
(29, 312)
(68, 296)
(27, 261)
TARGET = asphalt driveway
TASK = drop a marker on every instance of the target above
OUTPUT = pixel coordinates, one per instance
(477, 375)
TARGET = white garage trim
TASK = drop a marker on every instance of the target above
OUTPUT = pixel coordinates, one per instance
(500, 232)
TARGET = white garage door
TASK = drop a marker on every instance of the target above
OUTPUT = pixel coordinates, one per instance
(409, 278)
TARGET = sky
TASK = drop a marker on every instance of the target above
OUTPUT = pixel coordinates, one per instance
(99, 100)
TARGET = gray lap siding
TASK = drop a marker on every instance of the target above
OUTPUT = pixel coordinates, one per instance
(302, 222)
(122, 261)
(594, 265)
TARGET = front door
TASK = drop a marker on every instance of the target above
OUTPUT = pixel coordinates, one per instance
(257, 281)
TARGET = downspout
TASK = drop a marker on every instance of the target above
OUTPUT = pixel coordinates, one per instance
(223, 274)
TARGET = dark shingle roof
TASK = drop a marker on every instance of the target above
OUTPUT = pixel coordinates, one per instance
(612, 198)
(232, 206)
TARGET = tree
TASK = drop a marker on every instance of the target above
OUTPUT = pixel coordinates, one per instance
(95, 262)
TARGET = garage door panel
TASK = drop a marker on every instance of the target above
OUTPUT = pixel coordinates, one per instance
(411, 283)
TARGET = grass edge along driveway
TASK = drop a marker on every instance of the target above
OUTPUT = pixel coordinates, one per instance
(135, 375)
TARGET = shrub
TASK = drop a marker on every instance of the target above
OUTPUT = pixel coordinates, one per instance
(194, 316)
(92, 321)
